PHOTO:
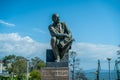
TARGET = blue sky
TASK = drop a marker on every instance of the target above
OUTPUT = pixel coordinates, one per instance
(95, 25)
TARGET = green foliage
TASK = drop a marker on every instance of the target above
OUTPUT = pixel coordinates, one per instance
(35, 75)
(41, 64)
(37, 63)
(19, 66)
(4, 78)
(8, 59)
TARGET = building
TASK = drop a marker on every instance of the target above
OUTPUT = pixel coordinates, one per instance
(0, 67)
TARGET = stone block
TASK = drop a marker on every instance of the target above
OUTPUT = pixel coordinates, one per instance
(56, 64)
(49, 55)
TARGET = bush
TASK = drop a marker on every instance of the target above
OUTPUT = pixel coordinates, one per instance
(35, 75)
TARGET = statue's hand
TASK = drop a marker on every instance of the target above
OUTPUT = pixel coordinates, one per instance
(66, 35)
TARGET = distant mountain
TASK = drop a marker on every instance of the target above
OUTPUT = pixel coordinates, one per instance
(104, 74)
(94, 70)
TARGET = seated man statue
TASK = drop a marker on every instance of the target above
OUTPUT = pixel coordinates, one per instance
(61, 38)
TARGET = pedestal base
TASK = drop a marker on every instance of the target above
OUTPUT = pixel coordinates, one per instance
(55, 70)
(55, 73)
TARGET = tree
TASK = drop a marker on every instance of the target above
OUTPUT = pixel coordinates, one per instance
(15, 65)
(19, 66)
(9, 60)
(35, 75)
(74, 63)
(117, 63)
(37, 63)
(80, 75)
(40, 65)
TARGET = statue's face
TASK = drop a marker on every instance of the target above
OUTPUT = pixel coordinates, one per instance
(56, 18)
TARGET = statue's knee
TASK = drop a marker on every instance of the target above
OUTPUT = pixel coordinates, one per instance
(53, 41)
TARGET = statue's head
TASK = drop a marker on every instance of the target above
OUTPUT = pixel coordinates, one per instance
(55, 18)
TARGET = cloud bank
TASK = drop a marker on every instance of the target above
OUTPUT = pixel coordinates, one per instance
(7, 23)
(13, 43)
(88, 53)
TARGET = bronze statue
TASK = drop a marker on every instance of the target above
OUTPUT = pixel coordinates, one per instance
(61, 37)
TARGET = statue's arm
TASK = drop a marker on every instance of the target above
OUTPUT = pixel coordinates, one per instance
(54, 32)
(67, 31)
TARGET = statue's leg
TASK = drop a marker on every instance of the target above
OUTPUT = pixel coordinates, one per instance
(65, 49)
(55, 49)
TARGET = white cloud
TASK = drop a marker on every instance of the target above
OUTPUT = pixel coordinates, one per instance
(13, 43)
(7, 23)
(90, 53)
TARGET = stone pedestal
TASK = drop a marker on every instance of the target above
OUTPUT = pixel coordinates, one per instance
(55, 73)
(50, 56)
(55, 70)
